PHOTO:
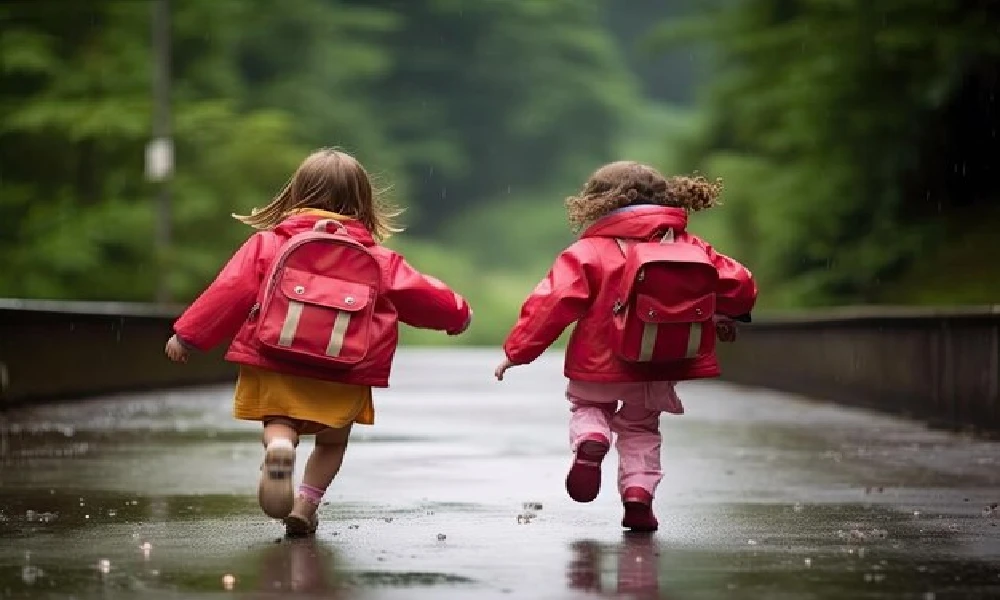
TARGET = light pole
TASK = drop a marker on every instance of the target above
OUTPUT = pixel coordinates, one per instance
(160, 151)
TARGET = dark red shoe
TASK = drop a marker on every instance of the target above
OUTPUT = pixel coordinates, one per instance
(639, 510)
(584, 480)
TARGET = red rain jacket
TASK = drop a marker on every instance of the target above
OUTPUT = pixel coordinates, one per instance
(582, 287)
(222, 310)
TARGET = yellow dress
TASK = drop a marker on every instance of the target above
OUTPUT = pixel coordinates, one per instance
(261, 393)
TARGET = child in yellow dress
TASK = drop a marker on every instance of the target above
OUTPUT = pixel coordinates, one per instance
(293, 399)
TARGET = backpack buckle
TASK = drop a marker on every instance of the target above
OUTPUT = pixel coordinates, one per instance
(617, 308)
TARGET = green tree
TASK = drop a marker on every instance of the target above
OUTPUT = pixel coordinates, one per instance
(486, 99)
(819, 116)
(75, 212)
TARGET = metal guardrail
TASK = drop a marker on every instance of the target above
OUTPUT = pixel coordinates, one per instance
(940, 365)
(51, 350)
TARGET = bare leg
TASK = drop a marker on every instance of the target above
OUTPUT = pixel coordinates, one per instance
(323, 465)
(326, 458)
(280, 429)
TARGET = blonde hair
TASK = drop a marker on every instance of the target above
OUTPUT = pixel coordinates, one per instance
(329, 180)
(623, 183)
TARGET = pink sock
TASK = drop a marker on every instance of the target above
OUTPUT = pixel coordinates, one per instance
(310, 493)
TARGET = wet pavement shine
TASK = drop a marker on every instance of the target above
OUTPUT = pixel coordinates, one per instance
(457, 492)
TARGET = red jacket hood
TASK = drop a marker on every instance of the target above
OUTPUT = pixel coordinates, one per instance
(299, 223)
(639, 221)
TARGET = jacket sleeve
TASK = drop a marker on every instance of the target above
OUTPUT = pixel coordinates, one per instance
(737, 291)
(217, 314)
(424, 301)
(560, 299)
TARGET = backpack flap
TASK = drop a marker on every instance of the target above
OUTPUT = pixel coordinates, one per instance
(317, 319)
(329, 292)
(667, 297)
(650, 310)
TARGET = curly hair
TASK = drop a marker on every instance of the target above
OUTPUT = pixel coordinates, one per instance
(624, 183)
(329, 180)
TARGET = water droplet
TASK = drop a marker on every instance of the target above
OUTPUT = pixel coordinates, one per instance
(104, 566)
(808, 562)
(751, 542)
(228, 581)
(442, 537)
(30, 573)
(798, 507)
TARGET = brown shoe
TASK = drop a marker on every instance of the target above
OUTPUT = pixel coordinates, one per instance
(302, 520)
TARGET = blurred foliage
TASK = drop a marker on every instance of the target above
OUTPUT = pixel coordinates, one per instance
(843, 128)
(851, 135)
(76, 214)
(451, 104)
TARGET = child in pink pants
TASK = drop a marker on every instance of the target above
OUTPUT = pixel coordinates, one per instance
(622, 201)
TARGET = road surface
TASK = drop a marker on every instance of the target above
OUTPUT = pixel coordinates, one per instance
(765, 496)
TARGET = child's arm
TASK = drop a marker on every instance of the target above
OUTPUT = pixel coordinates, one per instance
(560, 299)
(221, 309)
(424, 301)
(737, 291)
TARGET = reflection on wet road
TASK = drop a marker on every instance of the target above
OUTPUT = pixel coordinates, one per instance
(457, 493)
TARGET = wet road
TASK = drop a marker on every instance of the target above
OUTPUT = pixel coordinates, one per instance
(764, 496)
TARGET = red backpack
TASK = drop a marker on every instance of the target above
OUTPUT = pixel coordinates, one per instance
(666, 302)
(318, 301)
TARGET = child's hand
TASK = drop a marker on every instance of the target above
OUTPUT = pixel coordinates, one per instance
(725, 329)
(506, 364)
(175, 350)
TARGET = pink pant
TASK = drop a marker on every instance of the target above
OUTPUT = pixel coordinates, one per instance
(637, 422)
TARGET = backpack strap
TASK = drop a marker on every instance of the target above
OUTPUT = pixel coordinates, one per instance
(668, 238)
(325, 225)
